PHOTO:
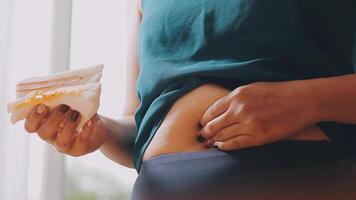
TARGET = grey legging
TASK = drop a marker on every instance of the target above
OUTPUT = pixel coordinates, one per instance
(281, 170)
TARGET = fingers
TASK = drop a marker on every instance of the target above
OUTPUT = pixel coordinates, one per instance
(48, 130)
(95, 140)
(64, 138)
(34, 118)
(216, 125)
(82, 139)
(226, 134)
(217, 108)
(239, 142)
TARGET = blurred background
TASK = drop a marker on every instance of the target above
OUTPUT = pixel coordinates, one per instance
(38, 37)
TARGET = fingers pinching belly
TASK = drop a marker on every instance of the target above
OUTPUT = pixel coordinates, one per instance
(48, 130)
(181, 124)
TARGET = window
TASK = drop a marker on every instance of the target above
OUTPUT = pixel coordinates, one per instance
(98, 36)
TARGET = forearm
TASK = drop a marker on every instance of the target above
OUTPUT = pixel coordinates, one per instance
(333, 98)
(119, 145)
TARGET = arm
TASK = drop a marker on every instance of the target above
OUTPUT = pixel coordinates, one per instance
(122, 132)
(333, 98)
(118, 145)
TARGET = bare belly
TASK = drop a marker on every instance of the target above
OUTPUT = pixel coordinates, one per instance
(179, 128)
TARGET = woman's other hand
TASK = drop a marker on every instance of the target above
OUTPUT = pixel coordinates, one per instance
(257, 114)
(58, 127)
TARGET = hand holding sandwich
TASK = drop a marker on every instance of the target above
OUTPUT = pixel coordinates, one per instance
(59, 127)
(62, 109)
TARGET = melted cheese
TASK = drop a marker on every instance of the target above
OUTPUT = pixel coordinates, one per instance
(39, 97)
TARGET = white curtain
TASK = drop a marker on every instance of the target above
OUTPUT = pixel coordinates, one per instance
(99, 35)
(25, 35)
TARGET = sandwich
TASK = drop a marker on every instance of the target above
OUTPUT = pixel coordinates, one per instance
(90, 74)
(80, 89)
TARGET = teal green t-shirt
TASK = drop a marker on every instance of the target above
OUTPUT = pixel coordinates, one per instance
(186, 43)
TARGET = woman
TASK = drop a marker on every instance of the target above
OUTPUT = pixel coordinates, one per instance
(230, 99)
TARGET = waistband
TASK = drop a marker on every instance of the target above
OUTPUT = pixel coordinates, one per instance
(298, 149)
(286, 169)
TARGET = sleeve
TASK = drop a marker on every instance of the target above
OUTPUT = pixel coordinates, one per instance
(342, 135)
(354, 49)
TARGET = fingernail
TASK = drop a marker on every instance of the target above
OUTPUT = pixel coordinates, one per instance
(63, 109)
(61, 125)
(74, 116)
(41, 109)
(90, 123)
(208, 143)
(200, 138)
(80, 130)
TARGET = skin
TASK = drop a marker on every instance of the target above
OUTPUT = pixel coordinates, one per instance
(260, 113)
(58, 129)
(250, 115)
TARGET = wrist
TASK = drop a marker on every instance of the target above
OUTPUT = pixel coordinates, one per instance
(105, 130)
(311, 100)
(119, 133)
(109, 136)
